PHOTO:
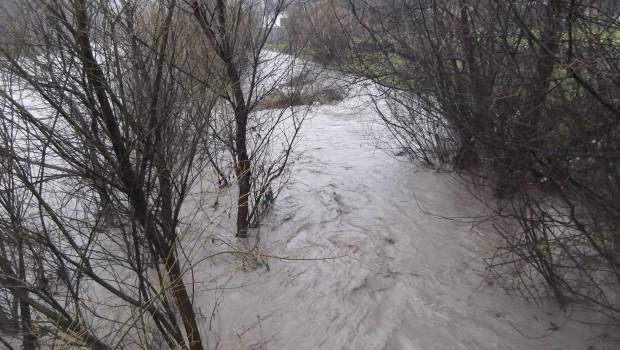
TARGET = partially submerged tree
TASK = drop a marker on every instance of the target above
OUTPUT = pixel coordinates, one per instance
(102, 136)
(245, 73)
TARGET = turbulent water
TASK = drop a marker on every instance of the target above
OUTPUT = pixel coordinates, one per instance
(392, 275)
(355, 254)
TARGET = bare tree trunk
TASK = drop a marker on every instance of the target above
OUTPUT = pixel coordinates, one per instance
(226, 53)
(29, 339)
(475, 108)
(514, 169)
(184, 302)
(243, 176)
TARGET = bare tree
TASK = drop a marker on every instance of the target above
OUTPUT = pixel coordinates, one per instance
(102, 140)
(244, 74)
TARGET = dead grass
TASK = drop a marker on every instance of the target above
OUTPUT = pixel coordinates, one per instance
(280, 100)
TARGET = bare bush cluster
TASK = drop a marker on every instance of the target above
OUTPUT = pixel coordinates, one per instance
(521, 94)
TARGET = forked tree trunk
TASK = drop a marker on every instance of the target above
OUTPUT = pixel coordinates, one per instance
(164, 244)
